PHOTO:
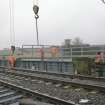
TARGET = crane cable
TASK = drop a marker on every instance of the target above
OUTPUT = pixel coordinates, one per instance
(12, 32)
(37, 31)
(36, 10)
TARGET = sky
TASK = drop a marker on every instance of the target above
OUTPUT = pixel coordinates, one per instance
(58, 20)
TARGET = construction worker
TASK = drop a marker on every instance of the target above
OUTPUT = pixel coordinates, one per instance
(98, 58)
(41, 53)
(11, 58)
(12, 61)
(54, 51)
(99, 63)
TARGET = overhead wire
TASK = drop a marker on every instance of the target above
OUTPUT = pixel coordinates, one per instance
(35, 2)
(12, 31)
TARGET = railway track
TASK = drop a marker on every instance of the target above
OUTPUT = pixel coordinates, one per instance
(53, 86)
(79, 81)
(11, 93)
(8, 96)
(13, 84)
(65, 75)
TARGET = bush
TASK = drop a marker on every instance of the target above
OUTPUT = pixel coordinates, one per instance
(83, 65)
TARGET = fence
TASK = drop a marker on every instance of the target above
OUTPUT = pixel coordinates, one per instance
(61, 52)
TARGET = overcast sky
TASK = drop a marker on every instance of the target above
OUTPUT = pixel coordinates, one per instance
(59, 20)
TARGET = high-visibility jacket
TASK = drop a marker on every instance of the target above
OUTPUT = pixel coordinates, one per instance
(98, 58)
(12, 61)
(41, 50)
(54, 51)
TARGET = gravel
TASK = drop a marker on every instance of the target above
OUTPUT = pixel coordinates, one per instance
(58, 90)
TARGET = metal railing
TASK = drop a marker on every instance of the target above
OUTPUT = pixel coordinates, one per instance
(63, 52)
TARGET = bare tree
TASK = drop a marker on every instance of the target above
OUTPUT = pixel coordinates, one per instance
(103, 1)
(77, 41)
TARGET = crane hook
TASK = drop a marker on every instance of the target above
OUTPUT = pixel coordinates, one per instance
(36, 10)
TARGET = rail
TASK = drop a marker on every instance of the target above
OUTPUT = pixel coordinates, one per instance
(79, 81)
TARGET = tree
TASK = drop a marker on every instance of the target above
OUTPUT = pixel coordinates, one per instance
(77, 41)
(103, 1)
